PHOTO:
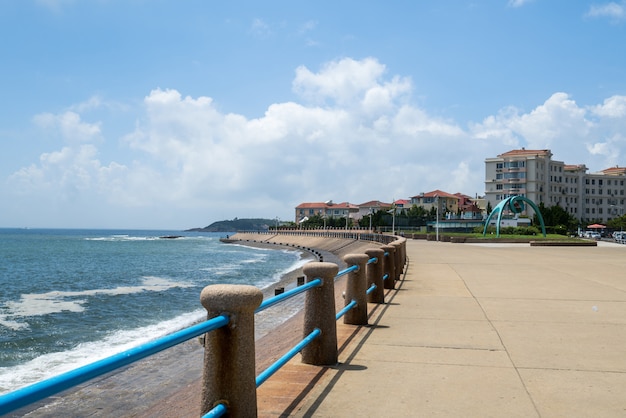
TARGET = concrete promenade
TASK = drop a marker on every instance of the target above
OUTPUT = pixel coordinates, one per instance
(480, 331)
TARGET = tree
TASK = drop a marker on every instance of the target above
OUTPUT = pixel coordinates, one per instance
(617, 223)
(556, 218)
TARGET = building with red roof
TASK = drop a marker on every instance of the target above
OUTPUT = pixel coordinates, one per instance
(535, 175)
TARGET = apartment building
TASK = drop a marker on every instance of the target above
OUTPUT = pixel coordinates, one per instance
(326, 210)
(444, 202)
(535, 175)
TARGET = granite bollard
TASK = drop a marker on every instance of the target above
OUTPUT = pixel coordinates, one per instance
(319, 312)
(374, 273)
(356, 290)
(388, 266)
(229, 362)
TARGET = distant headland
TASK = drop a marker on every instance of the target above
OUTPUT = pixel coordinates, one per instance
(255, 224)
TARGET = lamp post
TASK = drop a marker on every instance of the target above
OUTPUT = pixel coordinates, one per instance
(277, 224)
(393, 217)
(437, 220)
(371, 213)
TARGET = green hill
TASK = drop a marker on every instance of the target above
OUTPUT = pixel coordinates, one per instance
(237, 225)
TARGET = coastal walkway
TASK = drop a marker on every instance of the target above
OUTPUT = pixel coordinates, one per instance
(478, 330)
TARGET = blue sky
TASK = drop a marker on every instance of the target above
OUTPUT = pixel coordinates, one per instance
(164, 114)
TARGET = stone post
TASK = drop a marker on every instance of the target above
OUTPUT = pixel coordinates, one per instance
(399, 267)
(374, 273)
(319, 312)
(356, 290)
(229, 365)
(388, 266)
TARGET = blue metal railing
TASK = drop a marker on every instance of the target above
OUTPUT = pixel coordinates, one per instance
(218, 410)
(345, 310)
(279, 298)
(261, 378)
(33, 393)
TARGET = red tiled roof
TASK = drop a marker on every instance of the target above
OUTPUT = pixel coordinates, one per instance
(374, 204)
(436, 193)
(525, 152)
(318, 205)
(311, 205)
(617, 170)
(575, 167)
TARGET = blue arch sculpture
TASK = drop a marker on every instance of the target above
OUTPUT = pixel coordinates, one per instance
(516, 205)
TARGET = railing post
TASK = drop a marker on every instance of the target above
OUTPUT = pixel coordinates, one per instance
(389, 268)
(319, 312)
(374, 273)
(399, 267)
(356, 290)
(229, 364)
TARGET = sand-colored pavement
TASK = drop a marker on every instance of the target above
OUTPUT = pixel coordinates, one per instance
(487, 331)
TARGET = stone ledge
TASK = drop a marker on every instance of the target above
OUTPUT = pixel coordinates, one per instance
(580, 243)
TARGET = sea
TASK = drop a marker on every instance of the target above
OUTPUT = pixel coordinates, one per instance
(69, 297)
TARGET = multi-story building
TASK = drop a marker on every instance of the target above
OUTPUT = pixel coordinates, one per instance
(373, 206)
(442, 201)
(326, 210)
(535, 175)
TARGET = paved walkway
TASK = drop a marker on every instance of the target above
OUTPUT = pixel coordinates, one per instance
(480, 331)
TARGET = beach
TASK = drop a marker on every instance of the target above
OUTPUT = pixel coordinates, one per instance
(168, 384)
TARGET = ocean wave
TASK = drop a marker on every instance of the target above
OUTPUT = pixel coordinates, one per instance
(53, 364)
(37, 304)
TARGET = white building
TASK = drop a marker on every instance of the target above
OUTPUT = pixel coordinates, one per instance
(535, 175)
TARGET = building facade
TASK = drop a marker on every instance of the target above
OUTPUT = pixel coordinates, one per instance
(326, 210)
(535, 175)
(442, 201)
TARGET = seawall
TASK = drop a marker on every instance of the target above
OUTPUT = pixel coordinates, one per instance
(168, 384)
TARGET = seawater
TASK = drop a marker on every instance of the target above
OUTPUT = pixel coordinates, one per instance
(71, 297)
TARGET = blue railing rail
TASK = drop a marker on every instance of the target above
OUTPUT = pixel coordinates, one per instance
(363, 269)
(33, 393)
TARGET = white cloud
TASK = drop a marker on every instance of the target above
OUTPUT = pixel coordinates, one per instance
(355, 137)
(70, 126)
(260, 28)
(615, 11)
(613, 107)
(518, 3)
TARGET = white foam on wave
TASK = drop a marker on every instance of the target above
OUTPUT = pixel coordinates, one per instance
(37, 304)
(53, 364)
(278, 275)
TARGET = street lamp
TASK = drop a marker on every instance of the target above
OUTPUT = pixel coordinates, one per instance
(437, 220)
(393, 217)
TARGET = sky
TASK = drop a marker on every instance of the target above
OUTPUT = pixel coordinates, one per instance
(154, 114)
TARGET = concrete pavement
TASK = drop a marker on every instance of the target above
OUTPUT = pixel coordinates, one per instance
(484, 331)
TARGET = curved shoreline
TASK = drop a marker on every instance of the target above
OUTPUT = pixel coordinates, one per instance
(168, 384)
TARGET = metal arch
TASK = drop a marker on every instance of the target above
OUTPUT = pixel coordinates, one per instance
(516, 205)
